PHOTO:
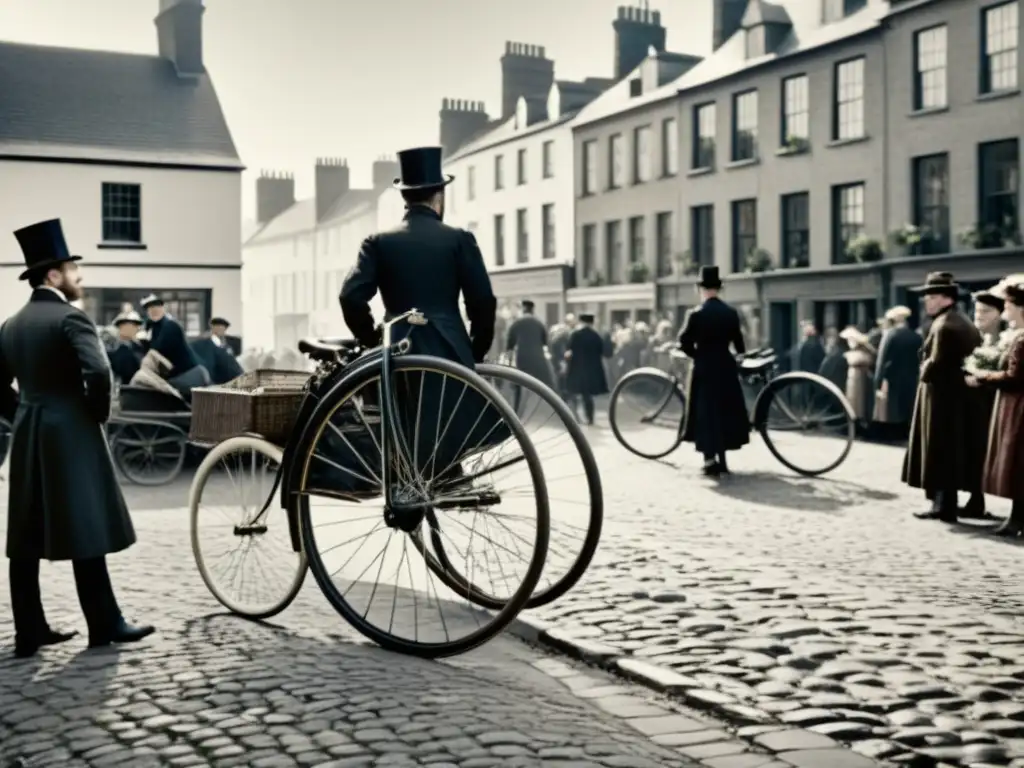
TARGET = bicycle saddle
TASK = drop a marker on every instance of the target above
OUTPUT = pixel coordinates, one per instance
(326, 350)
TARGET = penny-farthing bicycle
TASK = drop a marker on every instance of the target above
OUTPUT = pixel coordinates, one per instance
(804, 419)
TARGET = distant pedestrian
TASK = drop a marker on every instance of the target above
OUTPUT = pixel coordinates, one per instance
(527, 340)
(167, 337)
(810, 353)
(65, 502)
(126, 352)
(716, 411)
(585, 376)
(896, 371)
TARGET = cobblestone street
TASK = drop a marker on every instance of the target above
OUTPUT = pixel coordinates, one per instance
(823, 603)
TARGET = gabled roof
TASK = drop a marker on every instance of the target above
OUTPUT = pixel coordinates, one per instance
(807, 33)
(68, 103)
(300, 218)
(762, 12)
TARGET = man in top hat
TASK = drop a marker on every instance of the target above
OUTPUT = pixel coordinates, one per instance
(167, 337)
(65, 502)
(527, 340)
(424, 264)
(939, 455)
(585, 376)
(127, 353)
(216, 354)
(895, 378)
(716, 412)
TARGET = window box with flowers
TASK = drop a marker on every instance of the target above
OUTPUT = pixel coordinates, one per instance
(596, 280)
(795, 145)
(864, 250)
(638, 272)
(981, 237)
(759, 260)
(684, 265)
(914, 240)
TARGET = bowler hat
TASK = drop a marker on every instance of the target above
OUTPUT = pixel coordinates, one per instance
(709, 278)
(43, 246)
(989, 299)
(220, 321)
(420, 168)
(151, 301)
(586, 317)
(939, 282)
(527, 304)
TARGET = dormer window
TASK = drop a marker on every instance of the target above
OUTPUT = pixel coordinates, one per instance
(636, 87)
(837, 10)
(756, 41)
(766, 27)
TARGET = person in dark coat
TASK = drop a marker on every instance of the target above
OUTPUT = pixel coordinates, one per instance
(585, 376)
(939, 455)
(167, 337)
(716, 412)
(896, 371)
(834, 367)
(216, 354)
(425, 264)
(65, 502)
(126, 353)
(527, 340)
(810, 352)
(559, 346)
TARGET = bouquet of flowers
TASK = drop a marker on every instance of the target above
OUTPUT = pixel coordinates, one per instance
(989, 357)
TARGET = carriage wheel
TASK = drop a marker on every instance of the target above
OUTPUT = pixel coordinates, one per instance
(376, 566)
(5, 440)
(573, 483)
(240, 536)
(647, 412)
(806, 422)
(149, 453)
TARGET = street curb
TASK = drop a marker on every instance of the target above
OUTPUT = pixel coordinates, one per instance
(750, 725)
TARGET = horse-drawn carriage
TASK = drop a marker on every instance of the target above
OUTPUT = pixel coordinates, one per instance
(148, 434)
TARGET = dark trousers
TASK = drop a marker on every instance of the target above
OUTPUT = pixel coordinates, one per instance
(95, 594)
(588, 406)
(943, 500)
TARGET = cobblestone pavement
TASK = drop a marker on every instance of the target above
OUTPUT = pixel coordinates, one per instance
(820, 603)
(214, 690)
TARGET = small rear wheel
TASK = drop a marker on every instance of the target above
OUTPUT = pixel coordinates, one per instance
(456, 443)
(806, 422)
(240, 535)
(148, 453)
(647, 412)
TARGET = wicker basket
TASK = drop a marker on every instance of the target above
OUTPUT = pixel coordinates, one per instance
(263, 402)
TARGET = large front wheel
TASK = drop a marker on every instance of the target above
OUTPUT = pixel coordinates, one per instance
(647, 413)
(461, 467)
(806, 422)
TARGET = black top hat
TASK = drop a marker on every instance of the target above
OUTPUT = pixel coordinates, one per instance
(219, 321)
(586, 317)
(527, 304)
(44, 247)
(939, 282)
(709, 278)
(421, 169)
(151, 301)
(989, 299)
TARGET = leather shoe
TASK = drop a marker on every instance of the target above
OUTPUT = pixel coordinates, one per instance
(122, 633)
(1009, 530)
(711, 469)
(24, 649)
(937, 514)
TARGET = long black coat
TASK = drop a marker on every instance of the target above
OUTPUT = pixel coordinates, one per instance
(940, 455)
(168, 338)
(427, 265)
(809, 355)
(219, 361)
(897, 367)
(65, 501)
(716, 412)
(528, 338)
(125, 360)
(585, 374)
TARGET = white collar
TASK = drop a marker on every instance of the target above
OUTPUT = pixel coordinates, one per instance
(58, 291)
(216, 340)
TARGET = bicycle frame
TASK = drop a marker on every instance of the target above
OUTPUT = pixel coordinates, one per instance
(389, 433)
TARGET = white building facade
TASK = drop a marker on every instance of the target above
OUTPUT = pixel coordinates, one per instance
(148, 189)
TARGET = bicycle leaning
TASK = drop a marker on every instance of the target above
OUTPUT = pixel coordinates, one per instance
(647, 412)
(375, 450)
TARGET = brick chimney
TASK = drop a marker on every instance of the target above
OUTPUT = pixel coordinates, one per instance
(460, 121)
(525, 71)
(385, 171)
(727, 19)
(179, 30)
(331, 183)
(275, 194)
(637, 30)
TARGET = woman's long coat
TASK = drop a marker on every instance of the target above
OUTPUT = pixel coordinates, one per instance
(859, 385)
(65, 500)
(897, 368)
(1004, 463)
(940, 455)
(716, 411)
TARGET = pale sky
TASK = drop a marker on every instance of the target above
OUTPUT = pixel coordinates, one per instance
(299, 79)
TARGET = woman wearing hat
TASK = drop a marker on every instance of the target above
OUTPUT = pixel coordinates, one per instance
(1004, 461)
(126, 354)
(939, 454)
(716, 411)
(860, 362)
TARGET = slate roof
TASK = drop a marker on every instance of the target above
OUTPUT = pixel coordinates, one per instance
(70, 103)
(807, 33)
(300, 218)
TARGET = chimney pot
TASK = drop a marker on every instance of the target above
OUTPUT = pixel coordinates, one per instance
(657, 17)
